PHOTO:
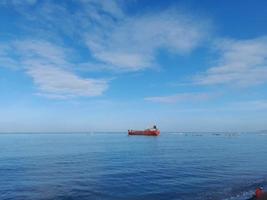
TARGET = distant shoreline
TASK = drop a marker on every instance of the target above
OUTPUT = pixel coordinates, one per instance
(123, 132)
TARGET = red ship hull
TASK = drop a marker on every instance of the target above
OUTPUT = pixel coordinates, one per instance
(145, 132)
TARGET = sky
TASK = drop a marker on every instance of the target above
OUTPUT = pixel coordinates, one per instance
(114, 65)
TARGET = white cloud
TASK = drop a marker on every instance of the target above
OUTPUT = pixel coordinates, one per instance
(124, 61)
(5, 60)
(180, 98)
(18, 2)
(241, 63)
(132, 43)
(50, 69)
(58, 83)
(114, 38)
(8, 62)
(111, 7)
(42, 50)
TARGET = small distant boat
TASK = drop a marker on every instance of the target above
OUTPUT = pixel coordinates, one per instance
(149, 132)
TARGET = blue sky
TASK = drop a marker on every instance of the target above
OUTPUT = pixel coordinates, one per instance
(92, 65)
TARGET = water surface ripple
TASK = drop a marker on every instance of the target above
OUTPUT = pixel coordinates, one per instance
(109, 166)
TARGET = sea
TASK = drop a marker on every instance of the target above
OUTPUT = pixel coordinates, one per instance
(115, 166)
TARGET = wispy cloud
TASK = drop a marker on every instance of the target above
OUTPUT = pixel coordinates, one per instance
(42, 51)
(51, 71)
(132, 42)
(114, 38)
(58, 83)
(5, 59)
(18, 2)
(188, 97)
(95, 7)
(241, 63)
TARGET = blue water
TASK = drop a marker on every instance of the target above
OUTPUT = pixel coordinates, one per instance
(116, 166)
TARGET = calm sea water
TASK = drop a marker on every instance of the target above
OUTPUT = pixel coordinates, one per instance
(116, 166)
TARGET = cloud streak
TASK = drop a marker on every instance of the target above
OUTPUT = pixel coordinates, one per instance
(241, 63)
(114, 39)
(51, 71)
(58, 83)
(182, 97)
(132, 43)
(121, 41)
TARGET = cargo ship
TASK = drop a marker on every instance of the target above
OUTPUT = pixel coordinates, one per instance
(149, 132)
